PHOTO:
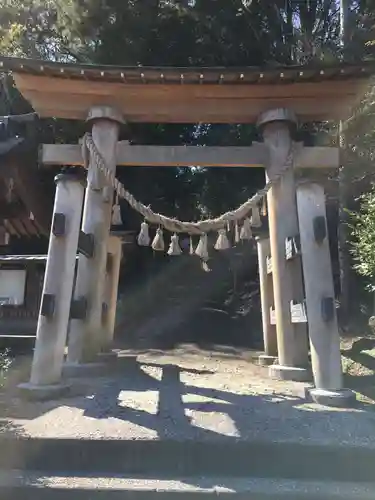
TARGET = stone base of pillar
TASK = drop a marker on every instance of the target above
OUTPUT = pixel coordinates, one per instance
(266, 360)
(342, 398)
(43, 392)
(107, 356)
(72, 370)
(290, 373)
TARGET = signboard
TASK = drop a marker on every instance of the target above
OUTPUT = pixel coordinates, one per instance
(292, 247)
(272, 316)
(298, 312)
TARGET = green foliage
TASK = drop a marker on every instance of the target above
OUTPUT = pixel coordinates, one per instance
(181, 33)
(362, 228)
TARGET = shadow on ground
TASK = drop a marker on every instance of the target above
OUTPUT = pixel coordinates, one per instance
(160, 400)
(218, 419)
(359, 367)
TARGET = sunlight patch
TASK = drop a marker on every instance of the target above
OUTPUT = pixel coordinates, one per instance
(155, 372)
(214, 423)
(196, 398)
(146, 401)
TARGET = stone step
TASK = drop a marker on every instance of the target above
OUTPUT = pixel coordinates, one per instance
(173, 458)
(18, 485)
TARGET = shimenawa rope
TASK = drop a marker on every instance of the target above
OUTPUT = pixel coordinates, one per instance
(174, 225)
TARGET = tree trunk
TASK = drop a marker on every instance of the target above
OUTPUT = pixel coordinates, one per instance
(343, 250)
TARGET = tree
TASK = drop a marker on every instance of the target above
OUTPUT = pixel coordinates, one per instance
(362, 229)
(174, 32)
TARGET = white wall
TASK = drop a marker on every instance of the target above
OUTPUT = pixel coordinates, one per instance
(12, 285)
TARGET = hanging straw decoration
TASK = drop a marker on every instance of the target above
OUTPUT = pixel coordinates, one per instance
(255, 217)
(191, 248)
(202, 248)
(222, 242)
(94, 176)
(116, 214)
(7, 238)
(246, 233)
(144, 236)
(236, 233)
(174, 247)
(205, 267)
(158, 242)
(99, 174)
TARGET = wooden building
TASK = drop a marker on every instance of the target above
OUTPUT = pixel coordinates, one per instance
(25, 215)
(21, 283)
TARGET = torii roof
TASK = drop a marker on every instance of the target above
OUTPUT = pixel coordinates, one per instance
(191, 94)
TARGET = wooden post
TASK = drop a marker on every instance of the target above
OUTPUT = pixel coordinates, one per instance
(86, 333)
(287, 275)
(320, 298)
(53, 319)
(266, 298)
(110, 297)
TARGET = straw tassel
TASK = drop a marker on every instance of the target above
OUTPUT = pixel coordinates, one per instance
(222, 242)
(191, 249)
(205, 267)
(158, 242)
(202, 248)
(144, 236)
(236, 233)
(255, 217)
(228, 225)
(174, 247)
(116, 214)
(7, 238)
(246, 233)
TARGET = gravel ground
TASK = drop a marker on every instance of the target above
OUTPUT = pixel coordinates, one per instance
(190, 484)
(189, 394)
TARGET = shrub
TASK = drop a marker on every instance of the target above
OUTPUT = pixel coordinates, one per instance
(5, 362)
(362, 228)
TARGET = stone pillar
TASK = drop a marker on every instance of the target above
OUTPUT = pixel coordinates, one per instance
(110, 296)
(266, 298)
(57, 289)
(320, 298)
(292, 340)
(86, 335)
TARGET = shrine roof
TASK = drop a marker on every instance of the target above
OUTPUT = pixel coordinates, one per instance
(188, 94)
(21, 183)
(192, 75)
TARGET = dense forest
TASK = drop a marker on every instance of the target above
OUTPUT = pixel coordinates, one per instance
(217, 33)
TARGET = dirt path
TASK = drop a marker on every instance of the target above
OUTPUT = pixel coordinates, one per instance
(189, 394)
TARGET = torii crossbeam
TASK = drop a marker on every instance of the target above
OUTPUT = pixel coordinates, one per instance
(256, 155)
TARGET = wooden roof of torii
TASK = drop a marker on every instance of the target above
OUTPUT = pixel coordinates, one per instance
(189, 95)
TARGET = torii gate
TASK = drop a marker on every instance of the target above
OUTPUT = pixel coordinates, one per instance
(106, 96)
